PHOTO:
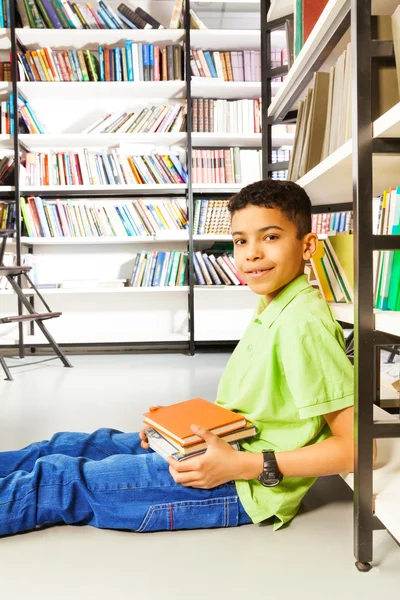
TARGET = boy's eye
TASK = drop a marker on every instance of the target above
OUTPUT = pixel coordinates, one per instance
(271, 237)
(239, 242)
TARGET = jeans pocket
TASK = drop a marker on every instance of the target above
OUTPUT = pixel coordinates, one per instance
(192, 514)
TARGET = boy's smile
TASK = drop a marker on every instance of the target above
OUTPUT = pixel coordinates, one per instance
(268, 253)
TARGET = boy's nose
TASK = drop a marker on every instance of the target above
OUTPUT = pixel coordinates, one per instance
(253, 252)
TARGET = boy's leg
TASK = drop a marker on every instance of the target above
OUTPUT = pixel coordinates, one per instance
(96, 446)
(120, 492)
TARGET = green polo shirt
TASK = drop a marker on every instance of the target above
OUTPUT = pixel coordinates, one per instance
(288, 370)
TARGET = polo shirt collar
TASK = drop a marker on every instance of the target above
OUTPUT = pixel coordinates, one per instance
(268, 314)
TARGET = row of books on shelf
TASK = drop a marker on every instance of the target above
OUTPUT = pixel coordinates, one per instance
(242, 65)
(159, 269)
(327, 106)
(226, 116)
(80, 218)
(226, 165)
(160, 119)
(133, 62)
(106, 167)
(217, 268)
(387, 264)
(60, 14)
(211, 217)
(279, 58)
(336, 222)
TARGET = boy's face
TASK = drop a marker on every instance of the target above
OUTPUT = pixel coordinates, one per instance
(267, 252)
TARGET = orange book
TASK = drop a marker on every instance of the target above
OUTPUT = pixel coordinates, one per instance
(175, 420)
(135, 172)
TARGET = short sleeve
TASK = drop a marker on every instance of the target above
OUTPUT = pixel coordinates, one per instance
(318, 374)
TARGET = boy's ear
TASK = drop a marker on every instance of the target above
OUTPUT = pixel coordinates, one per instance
(310, 242)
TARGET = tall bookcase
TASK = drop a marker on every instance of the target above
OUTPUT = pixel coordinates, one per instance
(180, 317)
(360, 169)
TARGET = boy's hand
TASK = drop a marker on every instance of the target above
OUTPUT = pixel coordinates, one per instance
(219, 464)
(144, 442)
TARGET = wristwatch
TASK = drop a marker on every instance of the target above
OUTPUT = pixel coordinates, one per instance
(271, 475)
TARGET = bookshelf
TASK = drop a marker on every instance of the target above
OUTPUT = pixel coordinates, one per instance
(354, 173)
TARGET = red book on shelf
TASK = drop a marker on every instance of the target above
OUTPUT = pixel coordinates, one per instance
(312, 10)
(175, 420)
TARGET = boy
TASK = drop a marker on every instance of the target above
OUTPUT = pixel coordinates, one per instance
(289, 376)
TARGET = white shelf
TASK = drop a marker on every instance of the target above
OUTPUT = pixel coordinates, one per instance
(210, 87)
(5, 39)
(280, 8)
(105, 89)
(86, 140)
(225, 39)
(92, 38)
(239, 139)
(331, 181)
(87, 290)
(6, 141)
(6, 188)
(214, 188)
(386, 321)
(167, 187)
(207, 237)
(224, 289)
(73, 339)
(96, 241)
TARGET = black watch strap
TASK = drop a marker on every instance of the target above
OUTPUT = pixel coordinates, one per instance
(271, 475)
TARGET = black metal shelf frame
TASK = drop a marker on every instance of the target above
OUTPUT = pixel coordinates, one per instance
(367, 340)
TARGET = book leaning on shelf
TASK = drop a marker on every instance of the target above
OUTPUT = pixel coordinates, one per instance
(387, 264)
(216, 269)
(173, 424)
(159, 269)
(332, 264)
(7, 215)
(106, 167)
(84, 219)
(132, 62)
(228, 66)
(59, 14)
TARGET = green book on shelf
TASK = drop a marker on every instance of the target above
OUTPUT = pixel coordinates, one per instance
(298, 27)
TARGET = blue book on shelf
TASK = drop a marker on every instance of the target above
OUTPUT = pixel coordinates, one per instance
(129, 61)
(142, 257)
(197, 270)
(55, 219)
(127, 226)
(68, 170)
(42, 217)
(1, 15)
(52, 14)
(75, 58)
(146, 61)
(101, 63)
(166, 269)
(152, 269)
(179, 167)
(158, 268)
(147, 269)
(126, 21)
(107, 167)
(210, 63)
(110, 15)
(118, 64)
(151, 61)
(156, 216)
(129, 218)
(333, 222)
(106, 19)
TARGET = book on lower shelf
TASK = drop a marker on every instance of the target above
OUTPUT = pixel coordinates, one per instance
(240, 65)
(226, 116)
(159, 269)
(166, 447)
(217, 268)
(175, 421)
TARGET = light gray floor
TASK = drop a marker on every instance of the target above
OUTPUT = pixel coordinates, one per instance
(311, 559)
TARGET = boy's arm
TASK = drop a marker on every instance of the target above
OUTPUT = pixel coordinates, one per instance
(221, 463)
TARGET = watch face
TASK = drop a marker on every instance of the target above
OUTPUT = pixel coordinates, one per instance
(268, 482)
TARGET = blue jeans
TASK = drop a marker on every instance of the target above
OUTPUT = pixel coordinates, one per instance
(107, 480)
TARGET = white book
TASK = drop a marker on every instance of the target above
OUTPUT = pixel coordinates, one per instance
(127, 123)
(96, 124)
(135, 60)
(118, 165)
(71, 15)
(123, 160)
(218, 65)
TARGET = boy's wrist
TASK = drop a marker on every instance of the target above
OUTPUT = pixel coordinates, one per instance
(250, 465)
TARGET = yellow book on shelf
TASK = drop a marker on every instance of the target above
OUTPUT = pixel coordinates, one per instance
(320, 273)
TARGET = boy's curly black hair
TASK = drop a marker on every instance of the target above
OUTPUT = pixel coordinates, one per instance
(285, 196)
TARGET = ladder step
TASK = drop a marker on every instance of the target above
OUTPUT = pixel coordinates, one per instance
(7, 232)
(16, 270)
(34, 317)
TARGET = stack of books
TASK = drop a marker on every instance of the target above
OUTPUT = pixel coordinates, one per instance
(228, 66)
(333, 268)
(170, 433)
(133, 62)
